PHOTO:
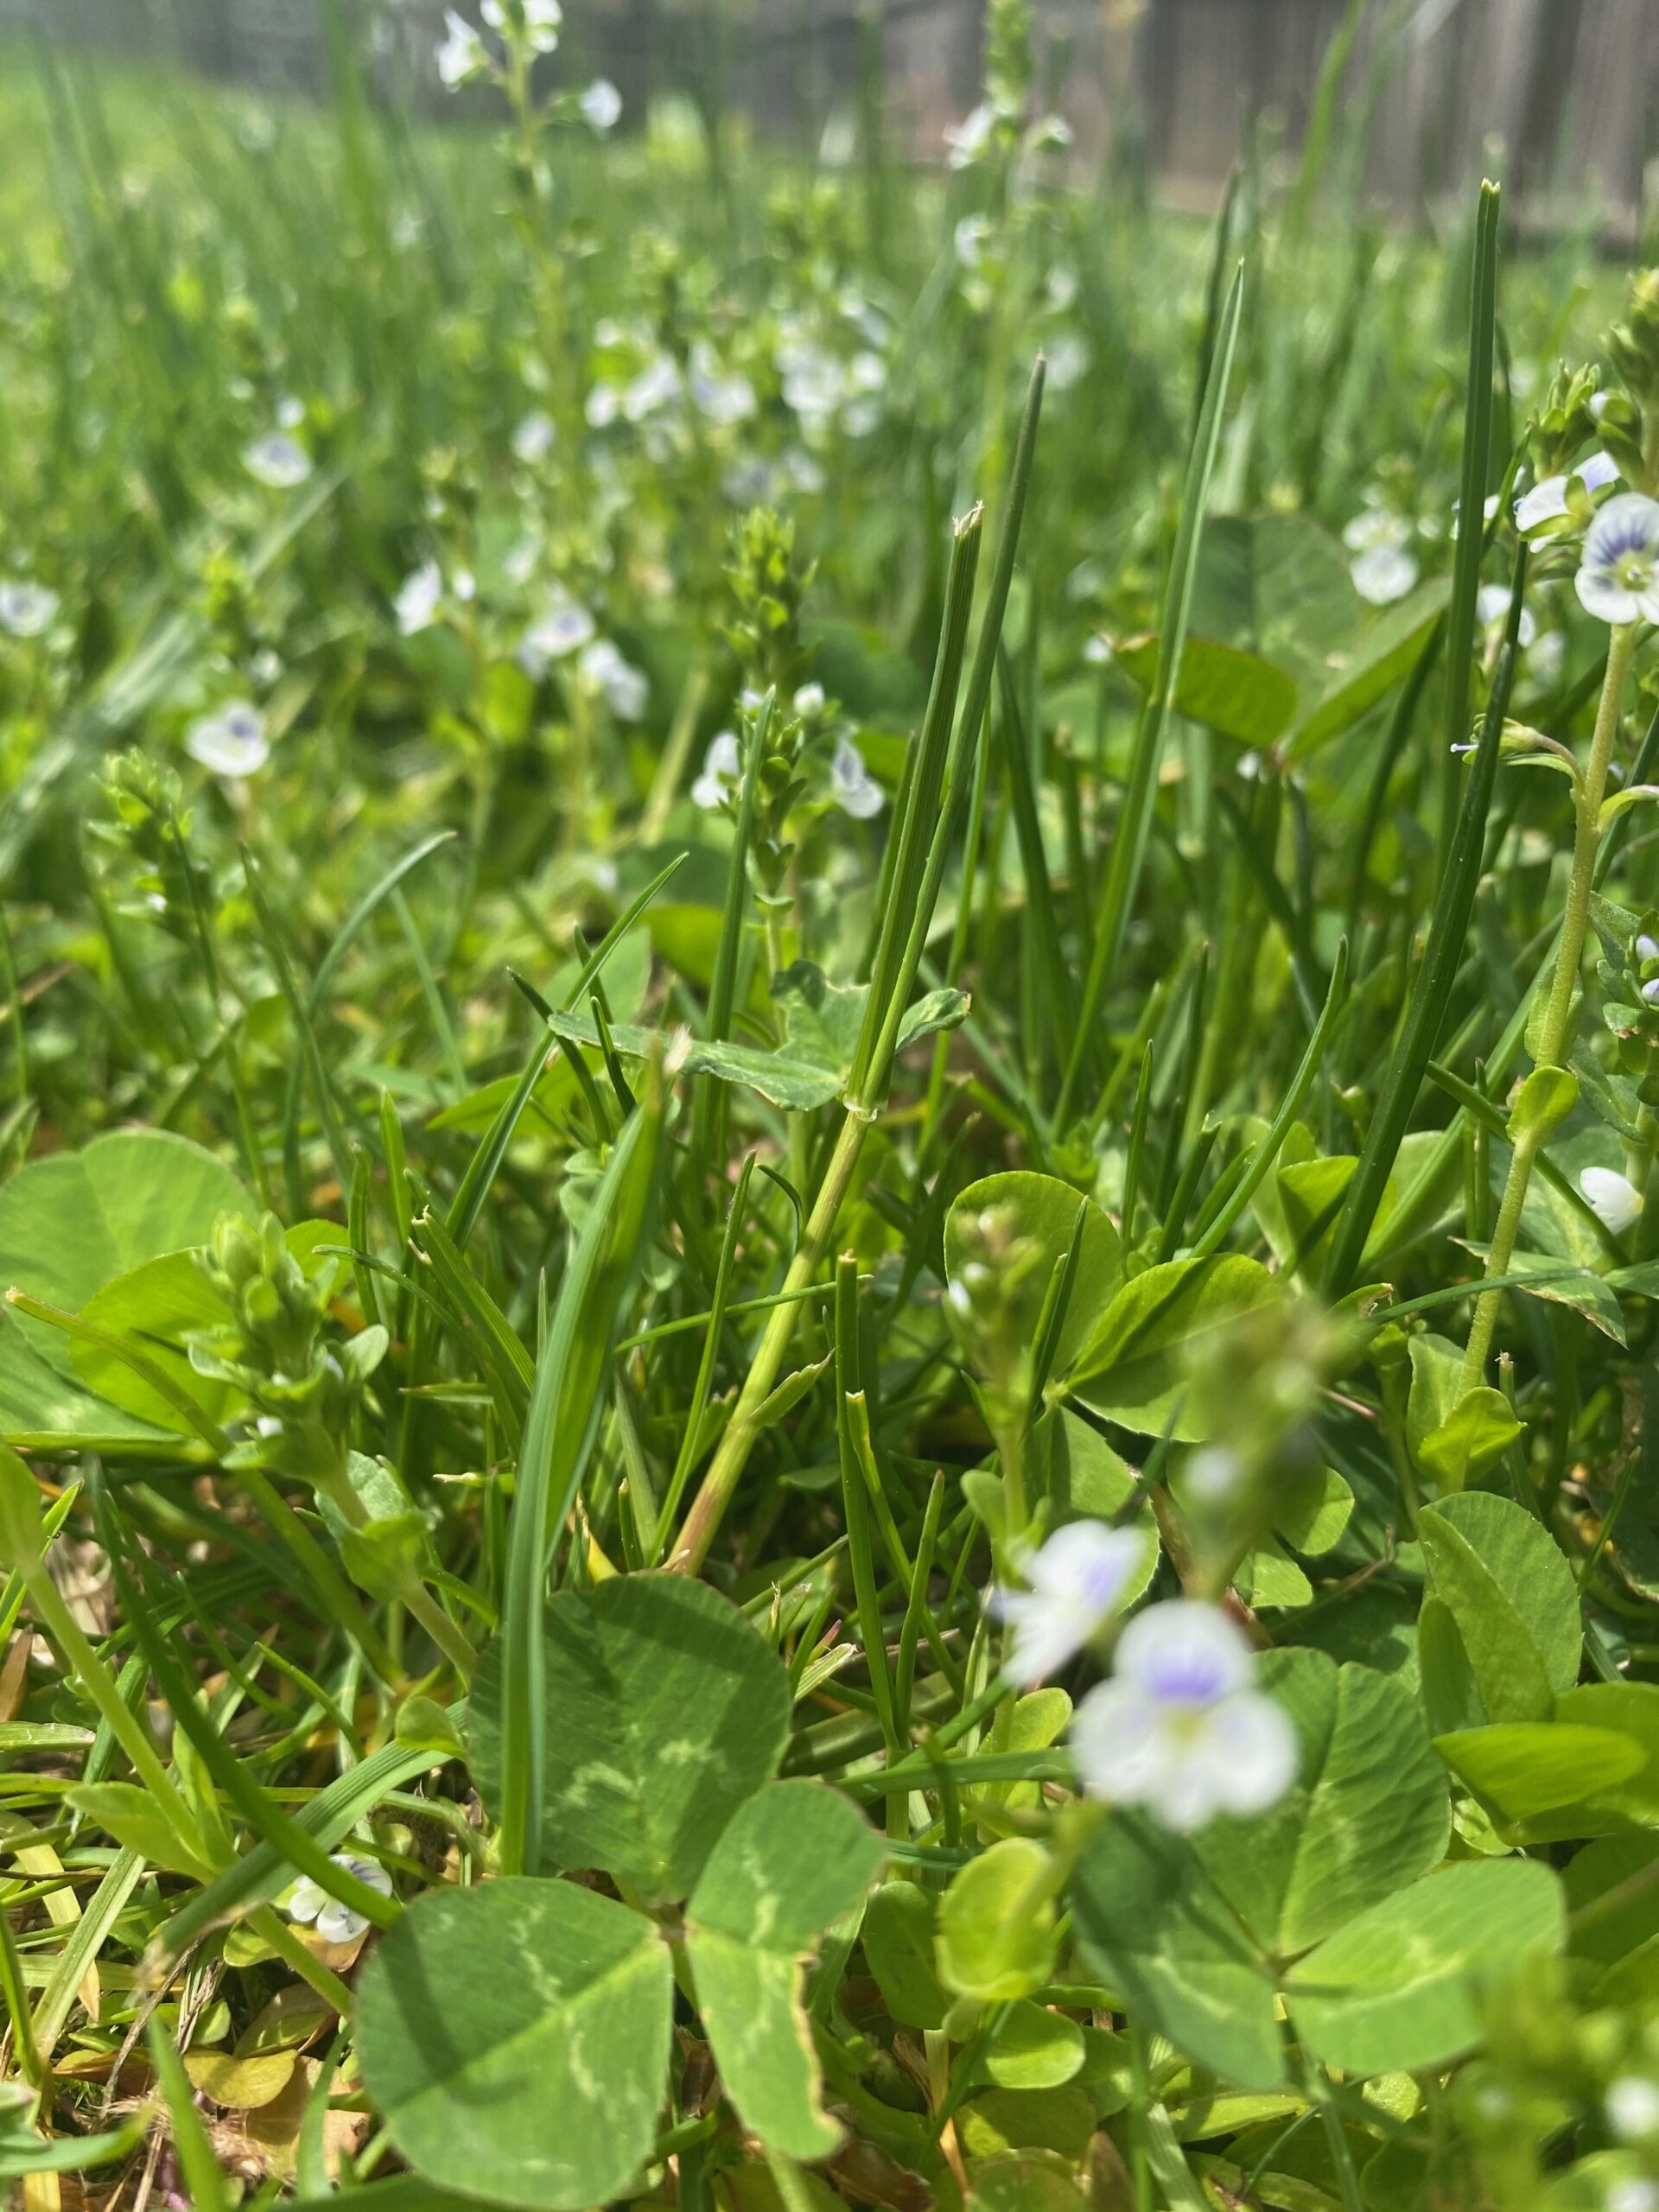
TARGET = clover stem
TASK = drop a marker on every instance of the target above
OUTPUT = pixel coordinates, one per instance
(1552, 1037)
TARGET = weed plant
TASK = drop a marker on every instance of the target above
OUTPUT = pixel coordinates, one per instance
(829, 1197)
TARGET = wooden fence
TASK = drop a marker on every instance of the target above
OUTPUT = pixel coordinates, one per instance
(1569, 87)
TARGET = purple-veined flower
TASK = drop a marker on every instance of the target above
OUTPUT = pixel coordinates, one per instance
(231, 741)
(1078, 1579)
(1548, 501)
(564, 626)
(311, 1905)
(1180, 1727)
(1619, 579)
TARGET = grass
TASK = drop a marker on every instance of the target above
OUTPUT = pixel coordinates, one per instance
(727, 887)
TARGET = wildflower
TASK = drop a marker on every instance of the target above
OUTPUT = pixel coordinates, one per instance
(1078, 1579)
(26, 608)
(723, 771)
(276, 461)
(1492, 606)
(290, 412)
(461, 57)
(626, 689)
(1373, 526)
(813, 384)
(564, 627)
(1547, 502)
(310, 1903)
(1382, 574)
(1069, 359)
(808, 701)
(1632, 2106)
(600, 106)
(855, 789)
(541, 19)
(1618, 580)
(418, 595)
(532, 440)
(969, 139)
(1613, 1198)
(718, 398)
(656, 385)
(1633, 2194)
(231, 742)
(1179, 1728)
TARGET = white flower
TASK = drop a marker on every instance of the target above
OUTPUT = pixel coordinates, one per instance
(968, 240)
(1633, 2194)
(626, 688)
(290, 412)
(231, 742)
(1548, 660)
(1068, 361)
(1492, 606)
(335, 1923)
(418, 596)
(1547, 502)
(1078, 1579)
(1613, 1198)
(26, 608)
(814, 385)
(542, 22)
(1382, 574)
(718, 398)
(461, 57)
(1097, 650)
(855, 791)
(723, 771)
(1179, 1728)
(601, 104)
(969, 138)
(1618, 581)
(532, 439)
(1647, 948)
(564, 627)
(276, 461)
(1374, 526)
(1632, 2106)
(656, 385)
(808, 701)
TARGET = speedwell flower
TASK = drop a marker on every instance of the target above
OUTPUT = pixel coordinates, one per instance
(416, 603)
(855, 789)
(626, 688)
(1179, 1728)
(1078, 1579)
(231, 742)
(532, 440)
(276, 461)
(723, 771)
(600, 106)
(1613, 1198)
(1548, 501)
(1382, 574)
(310, 1903)
(1618, 581)
(462, 56)
(564, 626)
(26, 608)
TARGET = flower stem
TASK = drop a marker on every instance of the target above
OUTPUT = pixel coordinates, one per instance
(726, 1468)
(1552, 1037)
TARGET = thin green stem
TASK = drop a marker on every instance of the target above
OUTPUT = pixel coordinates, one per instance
(1552, 1037)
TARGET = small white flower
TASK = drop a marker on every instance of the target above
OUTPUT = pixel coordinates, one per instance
(542, 22)
(418, 598)
(723, 771)
(1492, 606)
(1647, 948)
(1548, 659)
(1374, 526)
(1078, 1579)
(1097, 650)
(969, 139)
(1069, 358)
(626, 689)
(656, 385)
(309, 1903)
(1633, 2194)
(231, 742)
(532, 439)
(290, 412)
(600, 106)
(27, 608)
(1179, 1728)
(718, 398)
(565, 626)
(1632, 2106)
(603, 404)
(1383, 574)
(1548, 501)
(814, 384)
(276, 461)
(1613, 1198)
(1618, 581)
(970, 239)
(461, 57)
(855, 789)
(809, 702)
